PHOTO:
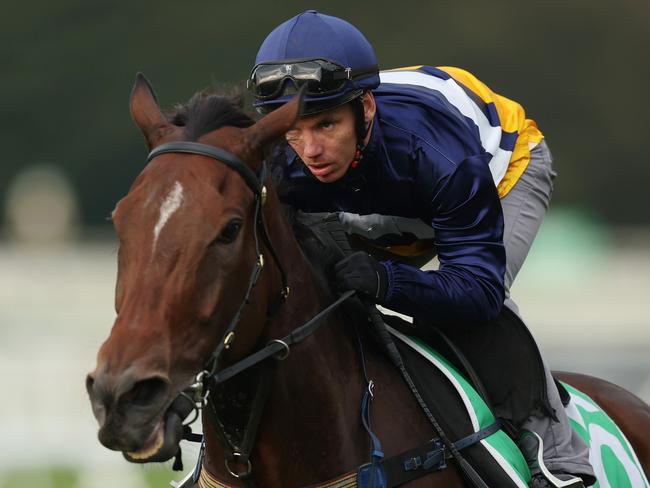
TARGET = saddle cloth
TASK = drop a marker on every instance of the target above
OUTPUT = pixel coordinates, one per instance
(497, 457)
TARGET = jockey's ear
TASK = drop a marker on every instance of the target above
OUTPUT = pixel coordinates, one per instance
(147, 115)
(273, 126)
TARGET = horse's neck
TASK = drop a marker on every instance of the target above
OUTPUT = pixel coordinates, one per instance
(321, 374)
(311, 422)
(310, 425)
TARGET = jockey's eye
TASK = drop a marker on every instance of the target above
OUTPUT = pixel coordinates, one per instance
(229, 232)
(326, 124)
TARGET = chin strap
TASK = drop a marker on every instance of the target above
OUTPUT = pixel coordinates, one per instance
(358, 155)
(362, 129)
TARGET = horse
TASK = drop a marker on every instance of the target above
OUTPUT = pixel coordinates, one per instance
(209, 268)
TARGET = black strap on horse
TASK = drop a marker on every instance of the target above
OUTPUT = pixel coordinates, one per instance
(237, 452)
(422, 460)
(280, 348)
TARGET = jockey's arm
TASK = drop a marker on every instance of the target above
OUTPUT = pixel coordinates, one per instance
(468, 224)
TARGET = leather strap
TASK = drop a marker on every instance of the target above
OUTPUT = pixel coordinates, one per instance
(280, 346)
(402, 468)
(213, 152)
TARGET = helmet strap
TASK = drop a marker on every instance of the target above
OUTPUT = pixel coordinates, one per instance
(361, 127)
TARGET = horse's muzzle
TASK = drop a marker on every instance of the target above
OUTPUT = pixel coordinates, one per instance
(134, 415)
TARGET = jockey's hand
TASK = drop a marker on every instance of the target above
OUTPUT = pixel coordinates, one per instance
(361, 272)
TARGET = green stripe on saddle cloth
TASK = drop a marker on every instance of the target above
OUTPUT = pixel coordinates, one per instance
(614, 462)
(501, 447)
(610, 453)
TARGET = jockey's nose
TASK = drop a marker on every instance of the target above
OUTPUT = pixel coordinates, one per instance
(312, 147)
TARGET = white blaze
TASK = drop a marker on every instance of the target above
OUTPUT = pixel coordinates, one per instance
(172, 202)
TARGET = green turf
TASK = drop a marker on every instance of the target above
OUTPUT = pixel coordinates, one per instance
(68, 477)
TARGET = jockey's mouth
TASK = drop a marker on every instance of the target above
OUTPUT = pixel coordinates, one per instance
(322, 169)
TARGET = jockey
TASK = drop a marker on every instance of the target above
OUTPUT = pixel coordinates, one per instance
(433, 144)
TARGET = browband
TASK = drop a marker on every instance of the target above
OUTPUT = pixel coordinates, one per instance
(222, 155)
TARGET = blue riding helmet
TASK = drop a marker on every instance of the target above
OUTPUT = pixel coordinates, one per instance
(328, 54)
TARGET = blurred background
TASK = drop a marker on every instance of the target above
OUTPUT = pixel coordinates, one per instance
(70, 151)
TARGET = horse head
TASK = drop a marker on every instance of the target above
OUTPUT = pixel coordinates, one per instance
(187, 247)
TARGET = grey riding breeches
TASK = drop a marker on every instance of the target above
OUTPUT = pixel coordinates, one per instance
(523, 211)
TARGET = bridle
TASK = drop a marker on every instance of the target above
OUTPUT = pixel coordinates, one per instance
(210, 377)
(257, 186)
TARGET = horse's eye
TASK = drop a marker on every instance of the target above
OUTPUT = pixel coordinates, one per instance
(229, 233)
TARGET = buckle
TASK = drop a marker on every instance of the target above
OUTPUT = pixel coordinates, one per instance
(239, 474)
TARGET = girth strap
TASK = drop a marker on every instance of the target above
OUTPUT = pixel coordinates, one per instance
(421, 460)
(396, 470)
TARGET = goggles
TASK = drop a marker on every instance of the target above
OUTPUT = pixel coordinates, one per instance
(322, 77)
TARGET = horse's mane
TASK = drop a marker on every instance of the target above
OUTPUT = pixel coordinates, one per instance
(314, 242)
(209, 110)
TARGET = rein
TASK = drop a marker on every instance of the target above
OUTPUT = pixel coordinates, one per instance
(280, 348)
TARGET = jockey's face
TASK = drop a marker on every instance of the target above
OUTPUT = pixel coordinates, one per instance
(326, 142)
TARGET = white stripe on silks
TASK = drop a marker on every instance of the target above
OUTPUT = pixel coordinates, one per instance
(171, 203)
(490, 136)
(499, 165)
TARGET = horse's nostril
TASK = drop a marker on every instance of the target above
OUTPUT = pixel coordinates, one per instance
(146, 392)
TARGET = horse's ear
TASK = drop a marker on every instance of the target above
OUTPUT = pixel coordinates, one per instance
(274, 125)
(146, 112)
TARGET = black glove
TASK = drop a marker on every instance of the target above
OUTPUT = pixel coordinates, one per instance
(361, 272)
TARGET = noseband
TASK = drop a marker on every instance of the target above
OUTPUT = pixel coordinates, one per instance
(256, 185)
